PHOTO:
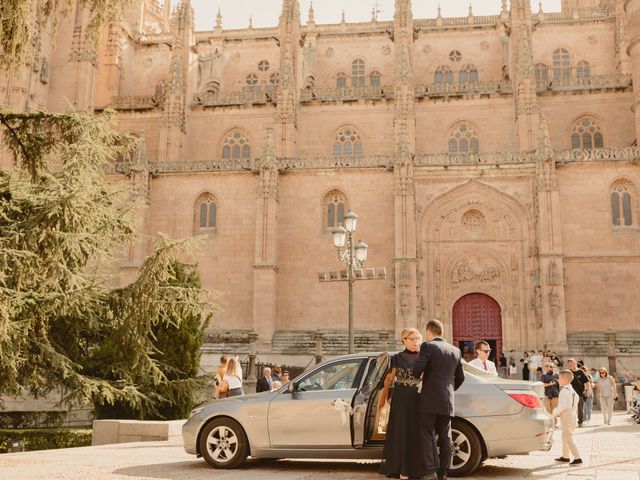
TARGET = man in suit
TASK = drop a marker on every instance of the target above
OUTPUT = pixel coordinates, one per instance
(264, 383)
(441, 367)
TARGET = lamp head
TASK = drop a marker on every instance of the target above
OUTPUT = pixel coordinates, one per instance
(339, 237)
(350, 221)
(361, 251)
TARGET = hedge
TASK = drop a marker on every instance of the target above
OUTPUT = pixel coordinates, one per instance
(46, 438)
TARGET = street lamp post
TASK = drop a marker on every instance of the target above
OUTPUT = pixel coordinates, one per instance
(353, 255)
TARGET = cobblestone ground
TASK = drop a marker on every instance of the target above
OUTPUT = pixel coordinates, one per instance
(610, 452)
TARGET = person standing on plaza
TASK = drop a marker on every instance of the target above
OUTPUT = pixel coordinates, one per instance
(504, 366)
(607, 394)
(276, 373)
(566, 410)
(525, 365)
(233, 379)
(551, 389)
(440, 365)
(578, 383)
(588, 396)
(402, 456)
(265, 382)
(536, 365)
(285, 378)
(482, 362)
(218, 378)
(513, 369)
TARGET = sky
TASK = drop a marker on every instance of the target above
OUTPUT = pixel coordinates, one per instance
(235, 13)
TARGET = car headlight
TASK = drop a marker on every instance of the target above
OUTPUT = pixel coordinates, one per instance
(195, 411)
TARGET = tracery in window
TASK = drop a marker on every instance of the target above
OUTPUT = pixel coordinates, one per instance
(375, 78)
(443, 75)
(455, 56)
(274, 79)
(561, 64)
(357, 73)
(463, 140)
(251, 79)
(347, 144)
(263, 66)
(583, 70)
(622, 203)
(335, 206)
(587, 134)
(206, 212)
(341, 80)
(468, 73)
(541, 72)
(236, 146)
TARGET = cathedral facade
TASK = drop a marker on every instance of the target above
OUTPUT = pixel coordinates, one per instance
(492, 162)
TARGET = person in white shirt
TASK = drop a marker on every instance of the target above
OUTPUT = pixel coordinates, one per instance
(567, 411)
(482, 360)
(536, 365)
(233, 379)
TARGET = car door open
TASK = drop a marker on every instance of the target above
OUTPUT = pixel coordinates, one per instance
(366, 399)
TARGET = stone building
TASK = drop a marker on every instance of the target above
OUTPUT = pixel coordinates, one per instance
(492, 161)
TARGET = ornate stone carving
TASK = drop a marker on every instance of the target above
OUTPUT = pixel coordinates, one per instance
(474, 221)
(386, 50)
(554, 303)
(329, 52)
(268, 168)
(475, 270)
(553, 276)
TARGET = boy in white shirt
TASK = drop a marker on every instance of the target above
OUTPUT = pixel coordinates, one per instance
(482, 360)
(567, 411)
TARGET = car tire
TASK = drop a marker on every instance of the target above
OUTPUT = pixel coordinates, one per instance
(466, 452)
(223, 443)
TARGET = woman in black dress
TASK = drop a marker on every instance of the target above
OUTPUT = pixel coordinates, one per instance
(402, 456)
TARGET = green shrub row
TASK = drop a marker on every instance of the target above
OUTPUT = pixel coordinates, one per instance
(31, 419)
(46, 438)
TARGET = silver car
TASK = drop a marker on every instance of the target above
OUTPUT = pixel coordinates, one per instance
(332, 411)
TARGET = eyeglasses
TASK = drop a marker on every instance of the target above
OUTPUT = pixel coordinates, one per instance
(603, 373)
(412, 339)
(486, 351)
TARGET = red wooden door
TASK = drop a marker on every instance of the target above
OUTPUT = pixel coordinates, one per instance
(477, 317)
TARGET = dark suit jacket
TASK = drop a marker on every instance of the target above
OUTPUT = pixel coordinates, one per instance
(262, 385)
(443, 374)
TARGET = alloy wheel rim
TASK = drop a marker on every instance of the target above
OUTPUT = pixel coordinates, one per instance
(222, 444)
(460, 450)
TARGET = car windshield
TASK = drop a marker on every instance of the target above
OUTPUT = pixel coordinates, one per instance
(476, 371)
(332, 377)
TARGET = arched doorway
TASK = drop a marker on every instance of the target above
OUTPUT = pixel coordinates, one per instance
(477, 316)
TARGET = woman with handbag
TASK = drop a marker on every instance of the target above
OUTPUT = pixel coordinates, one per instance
(588, 396)
(607, 394)
(232, 380)
(402, 456)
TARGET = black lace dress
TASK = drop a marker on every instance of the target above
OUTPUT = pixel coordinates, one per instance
(402, 454)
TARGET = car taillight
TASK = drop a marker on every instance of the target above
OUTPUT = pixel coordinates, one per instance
(529, 400)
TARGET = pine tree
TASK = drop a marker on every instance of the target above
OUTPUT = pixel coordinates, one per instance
(61, 225)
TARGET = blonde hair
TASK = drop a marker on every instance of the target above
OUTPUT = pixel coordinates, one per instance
(567, 374)
(605, 371)
(408, 331)
(232, 367)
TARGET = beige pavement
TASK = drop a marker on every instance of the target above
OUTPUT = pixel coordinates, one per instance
(610, 452)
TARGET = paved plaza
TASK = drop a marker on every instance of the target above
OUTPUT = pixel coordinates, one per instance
(610, 452)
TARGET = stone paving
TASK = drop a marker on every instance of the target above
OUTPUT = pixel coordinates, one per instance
(610, 452)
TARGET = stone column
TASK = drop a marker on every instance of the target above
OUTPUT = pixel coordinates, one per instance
(265, 269)
(404, 201)
(632, 11)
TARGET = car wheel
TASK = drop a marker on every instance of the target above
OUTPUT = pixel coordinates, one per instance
(466, 451)
(223, 443)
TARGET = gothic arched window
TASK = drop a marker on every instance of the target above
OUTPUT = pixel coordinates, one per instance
(583, 70)
(347, 144)
(463, 140)
(561, 64)
(236, 146)
(206, 212)
(335, 206)
(468, 73)
(587, 134)
(542, 72)
(341, 80)
(443, 75)
(622, 203)
(375, 78)
(357, 73)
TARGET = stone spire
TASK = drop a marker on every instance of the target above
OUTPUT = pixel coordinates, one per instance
(250, 22)
(219, 20)
(344, 18)
(311, 18)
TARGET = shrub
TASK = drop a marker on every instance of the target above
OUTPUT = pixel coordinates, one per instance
(46, 438)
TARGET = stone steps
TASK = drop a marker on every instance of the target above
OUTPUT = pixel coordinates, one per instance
(627, 342)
